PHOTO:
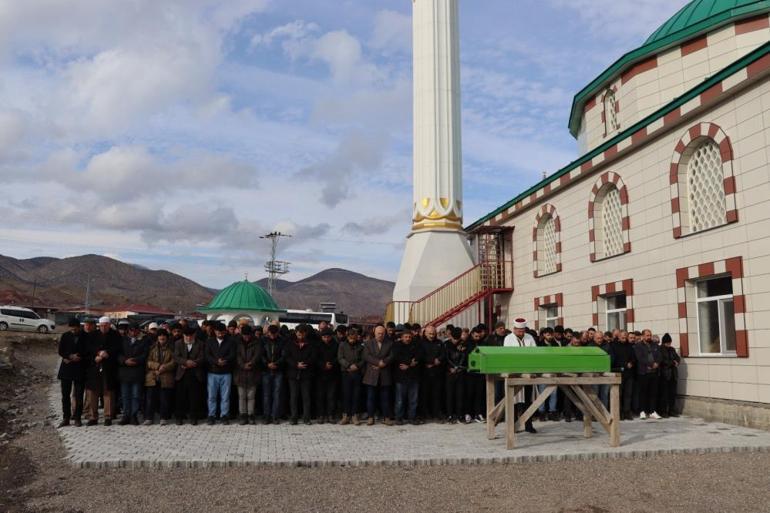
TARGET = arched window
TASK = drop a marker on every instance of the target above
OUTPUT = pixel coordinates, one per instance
(608, 221)
(546, 239)
(703, 185)
(610, 115)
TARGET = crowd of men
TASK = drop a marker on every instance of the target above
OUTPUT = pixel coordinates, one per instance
(347, 375)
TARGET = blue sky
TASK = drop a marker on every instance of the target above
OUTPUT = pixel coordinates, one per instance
(172, 134)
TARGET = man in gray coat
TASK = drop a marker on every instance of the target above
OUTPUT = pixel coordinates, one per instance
(378, 377)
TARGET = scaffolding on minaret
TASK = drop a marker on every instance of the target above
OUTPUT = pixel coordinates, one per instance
(274, 267)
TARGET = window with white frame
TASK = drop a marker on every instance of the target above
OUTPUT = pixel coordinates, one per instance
(701, 185)
(611, 123)
(615, 312)
(716, 316)
(546, 245)
(549, 315)
(608, 222)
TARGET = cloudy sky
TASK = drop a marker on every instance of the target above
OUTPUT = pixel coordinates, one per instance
(173, 133)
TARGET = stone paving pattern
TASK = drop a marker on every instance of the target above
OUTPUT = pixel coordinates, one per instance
(429, 444)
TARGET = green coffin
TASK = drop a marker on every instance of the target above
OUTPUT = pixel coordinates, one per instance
(536, 360)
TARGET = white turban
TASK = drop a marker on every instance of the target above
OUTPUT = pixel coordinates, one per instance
(105, 320)
(520, 323)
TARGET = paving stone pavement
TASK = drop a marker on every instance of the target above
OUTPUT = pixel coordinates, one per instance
(430, 444)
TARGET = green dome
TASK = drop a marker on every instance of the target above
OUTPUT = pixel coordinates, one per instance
(700, 15)
(243, 296)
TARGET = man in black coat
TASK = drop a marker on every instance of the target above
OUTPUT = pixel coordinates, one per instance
(131, 370)
(72, 372)
(669, 373)
(190, 358)
(273, 357)
(623, 360)
(221, 352)
(407, 356)
(328, 377)
(301, 359)
(432, 385)
(103, 350)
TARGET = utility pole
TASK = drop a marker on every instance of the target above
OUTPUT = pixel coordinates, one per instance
(274, 267)
(87, 305)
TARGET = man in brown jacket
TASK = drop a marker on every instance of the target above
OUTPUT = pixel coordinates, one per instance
(190, 376)
(159, 379)
(247, 374)
(378, 377)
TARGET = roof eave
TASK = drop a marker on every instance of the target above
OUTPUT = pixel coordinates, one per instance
(643, 52)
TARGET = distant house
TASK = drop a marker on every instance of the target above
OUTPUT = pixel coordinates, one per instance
(125, 311)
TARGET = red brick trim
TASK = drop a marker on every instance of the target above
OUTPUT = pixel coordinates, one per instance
(693, 136)
(545, 211)
(616, 287)
(646, 65)
(549, 300)
(751, 24)
(693, 45)
(732, 267)
(605, 181)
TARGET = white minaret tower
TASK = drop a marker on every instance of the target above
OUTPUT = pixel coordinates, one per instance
(437, 249)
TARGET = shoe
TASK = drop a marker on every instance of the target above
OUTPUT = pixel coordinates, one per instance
(77, 423)
(164, 422)
(253, 420)
(91, 423)
(276, 421)
(355, 420)
(293, 422)
(321, 420)
(387, 421)
(399, 422)
(63, 423)
(344, 421)
(268, 421)
(642, 415)
(124, 421)
(243, 420)
(147, 422)
(567, 419)
(468, 419)
(370, 421)
(674, 415)
(225, 421)
(135, 420)
(654, 415)
(529, 428)
(107, 422)
(307, 422)
(451, 420)
(415, 422)
(179, 422)
(480, 419)
(210, 421)
(193, 422)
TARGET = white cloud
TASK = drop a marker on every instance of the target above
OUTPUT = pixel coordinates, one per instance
(392, 32)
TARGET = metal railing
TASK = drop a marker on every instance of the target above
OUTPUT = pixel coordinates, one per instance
(470, 286)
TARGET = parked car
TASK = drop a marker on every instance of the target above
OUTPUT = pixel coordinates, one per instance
(23, 319)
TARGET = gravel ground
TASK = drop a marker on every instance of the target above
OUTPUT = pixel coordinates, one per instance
(33, 478)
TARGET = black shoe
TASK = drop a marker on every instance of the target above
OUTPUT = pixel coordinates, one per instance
(529, 428)
(277, 421)
(225, 421)
(415, 422)
(243, 420)
(77, 423)
(193, 422)
(91, 423)
(399, 422)
(293, 422)
(320, 420)
(180, 422)
(107, 422)
(307, 422)
(125, 421)
(268, 420)
(567, 419)
(63, 423)
(210, 421)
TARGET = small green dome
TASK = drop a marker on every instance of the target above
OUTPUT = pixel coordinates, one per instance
(700, 15)
(243, 296)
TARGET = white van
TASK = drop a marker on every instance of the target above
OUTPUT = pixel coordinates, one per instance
(23, 319)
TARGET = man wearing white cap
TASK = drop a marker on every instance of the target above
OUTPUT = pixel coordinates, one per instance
(104, 345)
(520, 338)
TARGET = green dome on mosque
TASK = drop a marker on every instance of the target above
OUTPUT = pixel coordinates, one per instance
(243, 296)
(691, 21)
(701, 15)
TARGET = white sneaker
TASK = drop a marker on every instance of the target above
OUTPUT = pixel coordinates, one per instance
(654, 415)
(468, 419)
(642, 415)
(480, 419)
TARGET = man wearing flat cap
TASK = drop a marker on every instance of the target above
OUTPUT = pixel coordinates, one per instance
(72, 372)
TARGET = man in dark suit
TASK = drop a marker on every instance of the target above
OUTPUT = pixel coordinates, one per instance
(131, 364)
(301, 360)
(378, 377)
(189, 355)
(72, 372)
(103, 349)
(220, 358)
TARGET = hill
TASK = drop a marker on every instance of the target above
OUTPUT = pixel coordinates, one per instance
(61, 282)
(355, 294)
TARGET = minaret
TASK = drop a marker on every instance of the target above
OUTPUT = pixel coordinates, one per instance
(436, 249)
